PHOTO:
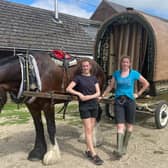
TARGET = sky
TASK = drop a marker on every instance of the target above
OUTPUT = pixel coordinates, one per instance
(85, 8)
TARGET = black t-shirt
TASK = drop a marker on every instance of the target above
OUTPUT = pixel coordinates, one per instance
(85, 84)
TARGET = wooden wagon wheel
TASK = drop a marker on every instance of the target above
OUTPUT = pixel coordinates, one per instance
(161, 114)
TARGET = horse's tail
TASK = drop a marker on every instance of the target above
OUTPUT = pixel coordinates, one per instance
(98, 118)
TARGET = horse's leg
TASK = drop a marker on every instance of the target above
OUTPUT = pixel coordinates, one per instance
(53, 152)
(40, 146)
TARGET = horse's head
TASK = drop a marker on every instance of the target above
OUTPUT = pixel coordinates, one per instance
(3, 98)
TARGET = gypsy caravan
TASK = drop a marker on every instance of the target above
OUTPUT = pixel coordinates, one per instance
(144, 38)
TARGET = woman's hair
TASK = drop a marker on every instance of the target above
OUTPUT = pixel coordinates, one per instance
(123, 57)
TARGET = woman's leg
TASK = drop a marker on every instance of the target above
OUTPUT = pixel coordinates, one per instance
(127, 136)
(120, 139)
(120, 121)
(130, 119)
(89, 124)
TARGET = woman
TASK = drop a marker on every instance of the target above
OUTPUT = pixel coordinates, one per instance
(86, 87)
(124, 106)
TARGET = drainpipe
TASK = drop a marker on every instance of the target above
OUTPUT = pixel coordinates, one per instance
(56, 9)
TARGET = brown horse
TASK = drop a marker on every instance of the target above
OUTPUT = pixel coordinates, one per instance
(52, 78)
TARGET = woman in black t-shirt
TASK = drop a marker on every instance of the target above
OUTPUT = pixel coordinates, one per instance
(86, 87)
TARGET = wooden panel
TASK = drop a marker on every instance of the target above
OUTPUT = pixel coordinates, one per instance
(49, 95)
(137, 47)
(116, 41)
(120, 43)
(111, 60)
(126, 39)
(133, 42)
(143, 50)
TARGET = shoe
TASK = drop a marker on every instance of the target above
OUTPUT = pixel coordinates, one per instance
(96, 160)
(88, 154)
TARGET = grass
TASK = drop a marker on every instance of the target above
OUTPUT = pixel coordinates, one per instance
(11, 114)
(72, 115)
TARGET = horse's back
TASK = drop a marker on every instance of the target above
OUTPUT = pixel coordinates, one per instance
(56, 77)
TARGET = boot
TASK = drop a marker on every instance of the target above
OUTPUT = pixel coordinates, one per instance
(125, 142)
(119, 151)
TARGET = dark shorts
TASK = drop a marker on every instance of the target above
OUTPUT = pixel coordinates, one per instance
(125, 110)
(88, 110)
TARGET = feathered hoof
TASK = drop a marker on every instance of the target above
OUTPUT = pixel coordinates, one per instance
(51, 157)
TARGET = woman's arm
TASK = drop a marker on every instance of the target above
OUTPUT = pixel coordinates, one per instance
(109, 87)
(145, 85)
(70, 89)
(93, 96)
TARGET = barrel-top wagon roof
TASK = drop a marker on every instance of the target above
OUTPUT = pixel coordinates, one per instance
(156, 27)
(141, 36)
(107, 8)
(23, 27)
(160, 32)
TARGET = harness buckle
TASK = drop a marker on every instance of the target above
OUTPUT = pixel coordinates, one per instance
(122, 99)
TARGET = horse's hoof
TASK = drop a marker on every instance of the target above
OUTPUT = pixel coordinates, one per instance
(51, 157)
(35, 156)
(34, 159)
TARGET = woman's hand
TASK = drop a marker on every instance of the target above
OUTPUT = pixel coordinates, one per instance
(84, 97)
(135, 95)
(100, 97)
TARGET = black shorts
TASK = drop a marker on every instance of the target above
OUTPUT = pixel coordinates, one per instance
(125, 110)
(88, 110)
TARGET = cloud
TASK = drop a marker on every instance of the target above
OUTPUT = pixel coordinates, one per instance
(66, 6)
(44, 4)
(85, 8)
(74, 9)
